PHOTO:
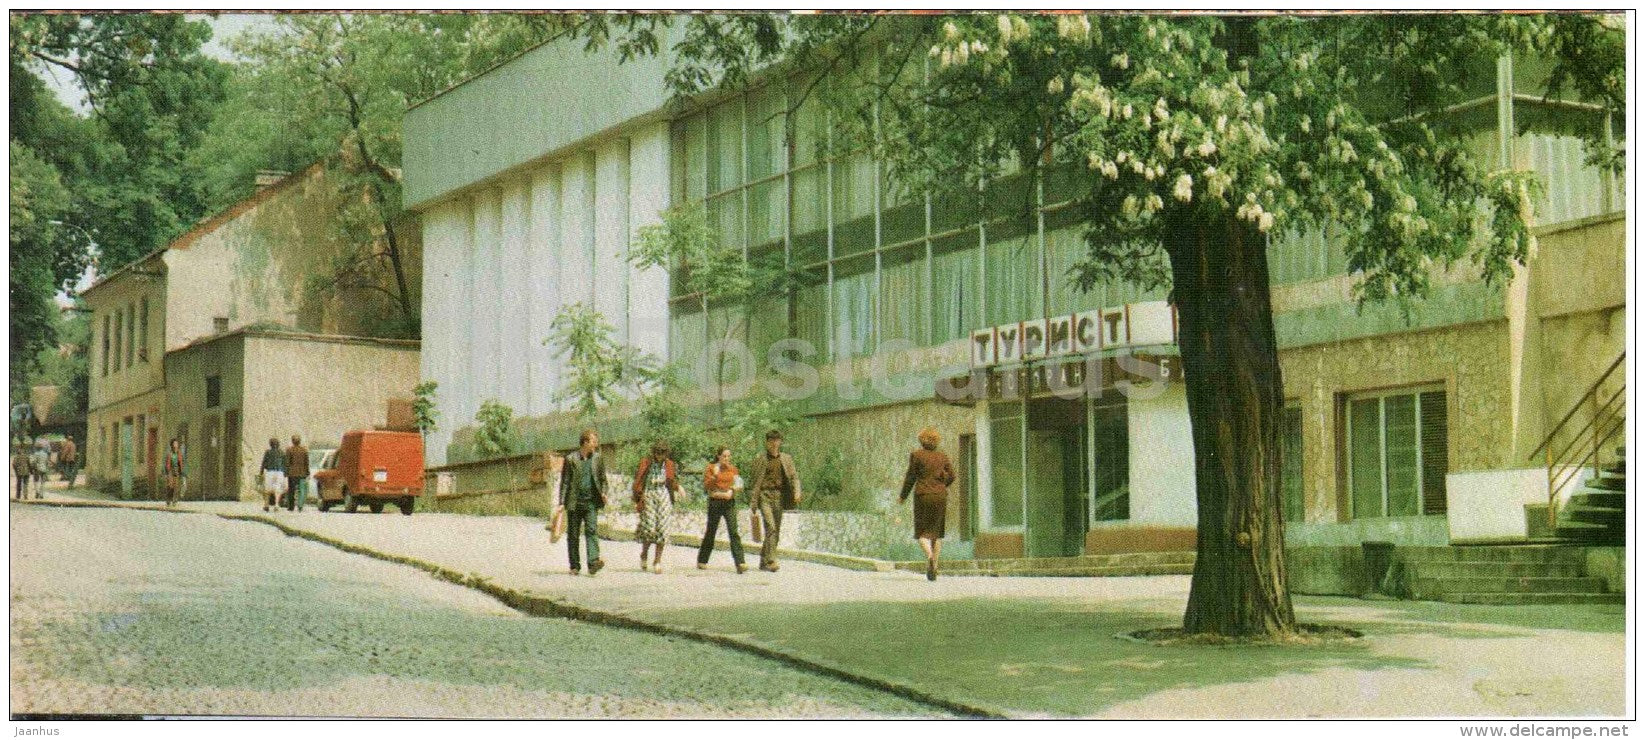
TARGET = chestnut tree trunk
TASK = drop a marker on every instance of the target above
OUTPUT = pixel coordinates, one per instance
(1235, 398)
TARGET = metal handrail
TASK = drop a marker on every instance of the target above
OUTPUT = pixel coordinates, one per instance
(1577, 437)
(1607, 419)
(1612, 425)
(1578, 405)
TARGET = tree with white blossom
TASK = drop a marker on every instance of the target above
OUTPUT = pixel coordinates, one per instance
(1197, 139)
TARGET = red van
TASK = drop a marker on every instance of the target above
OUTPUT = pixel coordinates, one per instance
(374, 468)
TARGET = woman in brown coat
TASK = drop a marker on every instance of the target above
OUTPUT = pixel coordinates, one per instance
(929, 474)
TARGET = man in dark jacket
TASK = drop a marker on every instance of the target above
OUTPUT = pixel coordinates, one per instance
(296, 474)
(582, 493)
(272, 473)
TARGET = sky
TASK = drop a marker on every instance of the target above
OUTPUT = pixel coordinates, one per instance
(223, 27)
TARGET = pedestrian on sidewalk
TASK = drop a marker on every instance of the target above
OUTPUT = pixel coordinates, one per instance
(776, 487)
(655, 487)
(273, 472)
(582, 493)
(928, 477)
(21, 469)
(68, 461)
(721, 483)
(176, 480)
(296, 474)
(40, 463)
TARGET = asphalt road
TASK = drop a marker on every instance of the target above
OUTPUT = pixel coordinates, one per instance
(128, 612)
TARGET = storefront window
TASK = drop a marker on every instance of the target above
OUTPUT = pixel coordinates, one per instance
(954, 287)
(1006, 464)
(903, 299)
(1012, 274)
(1111, 463)
(853, 307)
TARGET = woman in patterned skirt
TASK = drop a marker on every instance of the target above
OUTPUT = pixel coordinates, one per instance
(654, 490)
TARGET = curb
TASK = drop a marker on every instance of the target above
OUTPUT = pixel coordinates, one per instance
(847, 562)
(543, 606)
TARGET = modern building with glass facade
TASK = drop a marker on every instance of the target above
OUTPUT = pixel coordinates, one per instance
(1405, 426)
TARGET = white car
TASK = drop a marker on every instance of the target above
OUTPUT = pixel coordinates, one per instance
(318, 459)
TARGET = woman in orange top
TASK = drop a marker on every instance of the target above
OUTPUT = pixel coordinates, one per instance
(721, 483)
(929, 474)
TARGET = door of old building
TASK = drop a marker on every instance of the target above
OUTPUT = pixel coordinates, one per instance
(230, 477)
(211, 462)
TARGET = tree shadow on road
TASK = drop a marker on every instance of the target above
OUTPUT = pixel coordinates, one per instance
(1033, 657)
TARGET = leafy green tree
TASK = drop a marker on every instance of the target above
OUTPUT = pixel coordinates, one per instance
(42, 261)
(335, 88)
(1190, 141)
(718, 273)
(150, 94)
(599, 369)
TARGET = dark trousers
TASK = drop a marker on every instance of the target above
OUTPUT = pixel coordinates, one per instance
(22, 485)
(717, 510)
(582, 524)
(295, 493)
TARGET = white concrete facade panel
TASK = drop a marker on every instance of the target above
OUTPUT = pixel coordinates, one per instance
(611, 234)
(1162, 458)
(512, 256)
(514, 302)
(648, 197)
(543, 248)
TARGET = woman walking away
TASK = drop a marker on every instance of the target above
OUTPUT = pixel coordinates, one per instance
(173, 470)
(22, 469)
(721, 483)
(654, 489)
(929, 474)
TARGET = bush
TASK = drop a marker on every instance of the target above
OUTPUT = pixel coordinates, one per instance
(495, 436)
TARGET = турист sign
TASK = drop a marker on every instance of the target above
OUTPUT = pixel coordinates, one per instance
(1130, 325)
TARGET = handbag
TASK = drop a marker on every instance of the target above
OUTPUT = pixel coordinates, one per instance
(754, 531)
(556, 525)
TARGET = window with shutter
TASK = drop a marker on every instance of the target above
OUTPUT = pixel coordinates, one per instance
(1435, 452)
(1397, 453)
(1291, 463)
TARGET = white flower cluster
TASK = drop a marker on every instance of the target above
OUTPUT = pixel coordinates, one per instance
(1077, 27)
(954, 50)
(1012, 28)
(1251, 210)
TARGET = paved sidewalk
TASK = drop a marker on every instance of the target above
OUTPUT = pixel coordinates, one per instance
(1037, 646)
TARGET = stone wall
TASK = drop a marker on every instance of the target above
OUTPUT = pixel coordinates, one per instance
(1470, 361)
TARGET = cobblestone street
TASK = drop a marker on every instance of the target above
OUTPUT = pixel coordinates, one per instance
(134, 612)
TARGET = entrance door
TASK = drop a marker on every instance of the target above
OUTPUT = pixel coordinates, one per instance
(1056, 477)
(211, 438)
(153, 455)
(127, 463)
(231, 455)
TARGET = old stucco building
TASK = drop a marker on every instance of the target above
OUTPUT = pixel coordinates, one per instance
(232, 333)
(1407, 427)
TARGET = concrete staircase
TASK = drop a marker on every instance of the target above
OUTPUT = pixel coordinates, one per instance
(1519, 574)
(1597, 513)
(1124, 564)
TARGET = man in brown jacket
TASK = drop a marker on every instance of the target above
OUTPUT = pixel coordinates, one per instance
(296, 474)
(776, 487)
